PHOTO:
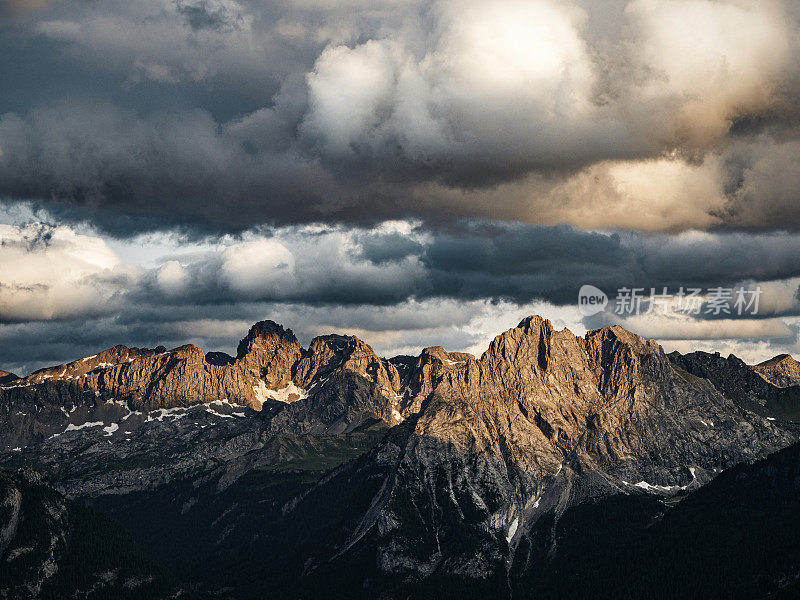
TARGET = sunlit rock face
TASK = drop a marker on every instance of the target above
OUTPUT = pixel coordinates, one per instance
(270, 365)
(158, 378)
(782, 370)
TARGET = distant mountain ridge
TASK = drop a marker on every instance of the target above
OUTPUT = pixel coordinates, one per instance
(452, 470)
(270, 366)
(744, 384)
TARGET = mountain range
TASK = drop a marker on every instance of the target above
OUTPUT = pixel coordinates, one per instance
(534, 470)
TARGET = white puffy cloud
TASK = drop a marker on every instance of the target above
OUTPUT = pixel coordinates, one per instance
(510, 80)
(707, 62)
(257, 266)
(348, 91)
(54, 273)
(522, 82)
(172, 278)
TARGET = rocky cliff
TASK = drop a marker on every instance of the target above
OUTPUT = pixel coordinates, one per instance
(157, 378)
(745, 385)
(543, 421)
(270, 366)
(480, 459)
(782, 370)
(7, 377)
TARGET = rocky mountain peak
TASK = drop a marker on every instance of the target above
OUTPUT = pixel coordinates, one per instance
(265, 335)
(782, 370)
(421, 375)
(334, 343)
(534, 322)
(776, 360)
(188, 352)
(526, 338)
(93, 365)
(536, 346)
(620, 337)
(268, 352)
(614, 352)
(434, 353)
(348, 353)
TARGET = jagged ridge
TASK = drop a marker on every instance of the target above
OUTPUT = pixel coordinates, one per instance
(483, 448)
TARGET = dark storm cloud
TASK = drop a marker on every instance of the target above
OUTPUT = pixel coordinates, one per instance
(388, 247)
(471, 261)
(201, 15)
(521, 262)
(215, 115)
(466, 261)
(174, 169)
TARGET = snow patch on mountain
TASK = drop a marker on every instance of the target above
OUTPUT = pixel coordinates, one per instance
(288, 394)
(666, 489)
(512, 530)
(72, 427)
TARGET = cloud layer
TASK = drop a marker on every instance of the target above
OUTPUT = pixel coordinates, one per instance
(51, 272)
(217, 115)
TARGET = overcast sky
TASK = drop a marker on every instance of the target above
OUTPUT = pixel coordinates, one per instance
(415, 173)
